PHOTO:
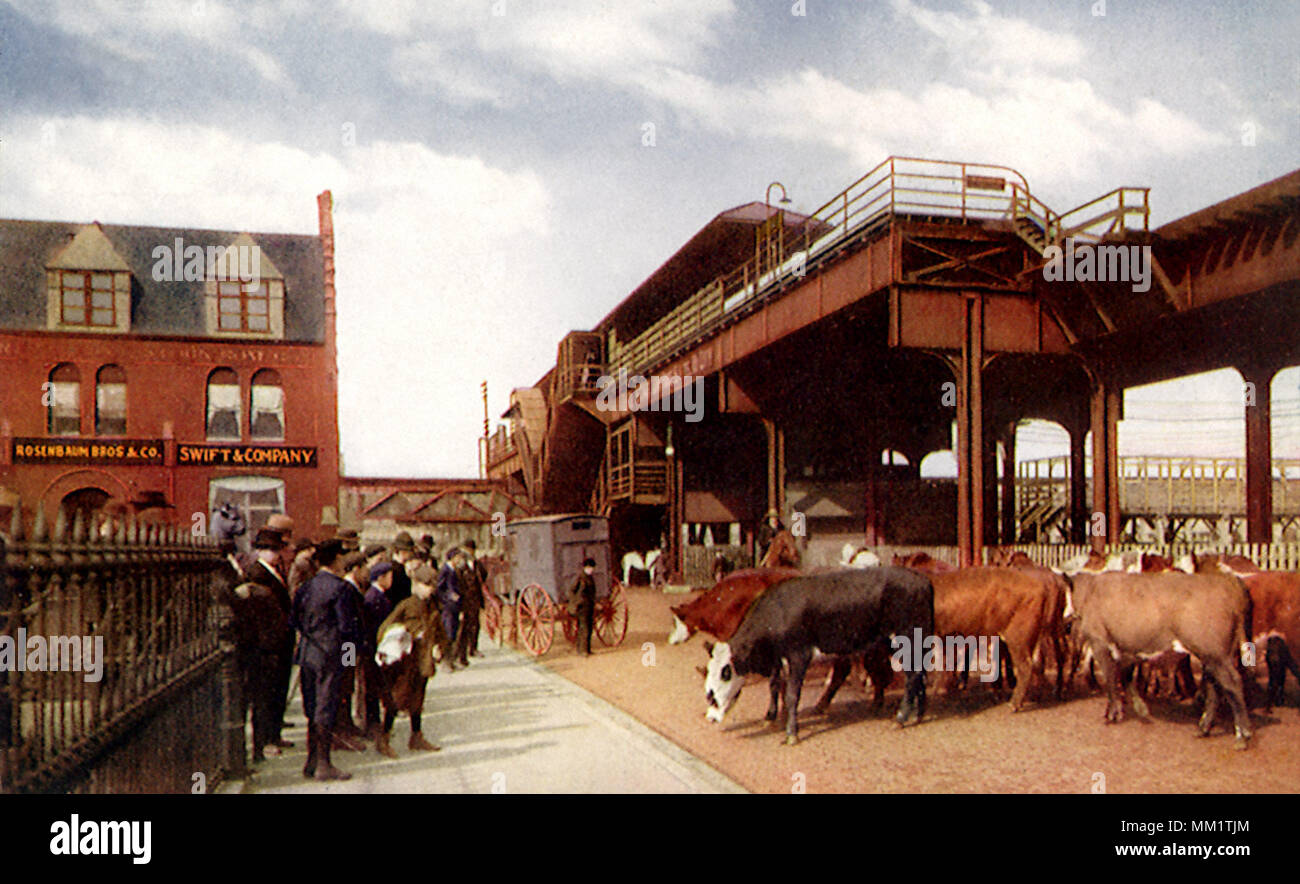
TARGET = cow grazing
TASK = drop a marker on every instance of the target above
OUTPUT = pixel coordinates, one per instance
(1127, 617)
(1023, 606)
(840, 613)
(719, 611)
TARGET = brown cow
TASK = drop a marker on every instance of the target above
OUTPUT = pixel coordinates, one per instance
(1126, 617)
(1020, 606)
(923, 562)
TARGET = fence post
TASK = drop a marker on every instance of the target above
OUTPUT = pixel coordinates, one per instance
(231, 749)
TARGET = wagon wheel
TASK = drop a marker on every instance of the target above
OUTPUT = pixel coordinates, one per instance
(535, 616)
(569, 624)
(492, 616)
(611, 615)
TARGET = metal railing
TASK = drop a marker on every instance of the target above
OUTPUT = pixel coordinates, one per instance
(1172, 485)
(133, 691)
(912, 186)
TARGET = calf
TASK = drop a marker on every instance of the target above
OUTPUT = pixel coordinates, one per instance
(839, 613)
(1126, 617)
(1023, 607)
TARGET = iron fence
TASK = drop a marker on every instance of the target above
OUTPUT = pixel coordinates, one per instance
(115, 671)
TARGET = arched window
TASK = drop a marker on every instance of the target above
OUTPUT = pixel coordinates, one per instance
(223, 405)
(266, 416)
(63, 401)
(110, 401)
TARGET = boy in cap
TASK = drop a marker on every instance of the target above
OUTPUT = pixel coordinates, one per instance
(409, 637)
(323, 613)
(377, 606)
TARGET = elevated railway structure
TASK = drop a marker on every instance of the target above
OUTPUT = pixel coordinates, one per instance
(930, 305)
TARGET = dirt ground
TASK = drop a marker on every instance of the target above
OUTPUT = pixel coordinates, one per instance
(969, 742)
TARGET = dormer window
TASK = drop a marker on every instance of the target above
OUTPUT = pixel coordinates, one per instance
(245, 293)
(88, 286)
(244, 306)
(87, 298)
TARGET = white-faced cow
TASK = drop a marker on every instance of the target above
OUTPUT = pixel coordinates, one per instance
(1126, 617)
(837, 613)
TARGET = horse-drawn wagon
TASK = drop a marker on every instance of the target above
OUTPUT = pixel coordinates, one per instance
(530, 592)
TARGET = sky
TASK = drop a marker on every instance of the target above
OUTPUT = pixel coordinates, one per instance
(505, 171)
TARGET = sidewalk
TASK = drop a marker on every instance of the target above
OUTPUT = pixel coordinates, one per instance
(506, 725)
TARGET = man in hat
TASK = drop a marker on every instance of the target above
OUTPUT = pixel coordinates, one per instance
(767, 532)
(377, 607)
(408, 640)
(262, 570)
(241, 628)
(403, 552)
(346, 733)
(304, 563)
(324, 614)
(449, 600)
(472, 577)
(582, 604)
(351, 540)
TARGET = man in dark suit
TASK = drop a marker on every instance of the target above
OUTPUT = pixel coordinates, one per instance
(448, 597)
(324, 615)
(582, 604)
(403, 552)
(261, 569)
(473, 577)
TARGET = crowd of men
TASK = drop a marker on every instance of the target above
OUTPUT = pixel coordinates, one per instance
(366, 627)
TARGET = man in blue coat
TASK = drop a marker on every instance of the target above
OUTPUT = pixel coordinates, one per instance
(449, 599)
(325, 615)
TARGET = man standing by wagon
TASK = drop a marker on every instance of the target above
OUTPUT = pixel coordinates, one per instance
(473, 577)
(324, 615)
(582, 604)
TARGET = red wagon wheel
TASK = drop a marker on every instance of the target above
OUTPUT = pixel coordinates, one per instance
(569, 625)
(536, 619)
(492, 616)
(611, 615)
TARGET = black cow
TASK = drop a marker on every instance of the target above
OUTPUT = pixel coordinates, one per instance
(837, 613)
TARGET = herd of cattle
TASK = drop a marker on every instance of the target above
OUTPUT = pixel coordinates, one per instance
(1135, 622)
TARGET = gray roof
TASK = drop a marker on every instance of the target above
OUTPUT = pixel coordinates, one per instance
(157, 308)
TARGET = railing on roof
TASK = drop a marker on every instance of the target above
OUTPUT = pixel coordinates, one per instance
(898, 186)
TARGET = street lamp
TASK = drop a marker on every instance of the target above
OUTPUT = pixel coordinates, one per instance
(785, 200)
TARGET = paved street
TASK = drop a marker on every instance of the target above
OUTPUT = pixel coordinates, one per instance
(509, 725)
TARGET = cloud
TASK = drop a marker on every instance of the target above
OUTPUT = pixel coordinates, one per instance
(427, 246)
(170, 28)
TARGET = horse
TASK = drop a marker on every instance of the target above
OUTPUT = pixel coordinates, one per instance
(645, 563)
(783, 552)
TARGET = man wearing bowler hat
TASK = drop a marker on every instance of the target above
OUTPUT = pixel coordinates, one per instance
(325, 616)
(263, 570)
(473, 577)
(403, 552)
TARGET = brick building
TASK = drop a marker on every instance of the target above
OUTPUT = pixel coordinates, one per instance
(166, 371)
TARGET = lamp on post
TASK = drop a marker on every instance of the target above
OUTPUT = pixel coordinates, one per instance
(785, 199)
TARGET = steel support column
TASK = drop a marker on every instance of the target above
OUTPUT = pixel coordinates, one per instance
(775, 467)
(1107, 402)
(1259, 452)
(1010, 520)
(970, 436)
(1078, 485)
